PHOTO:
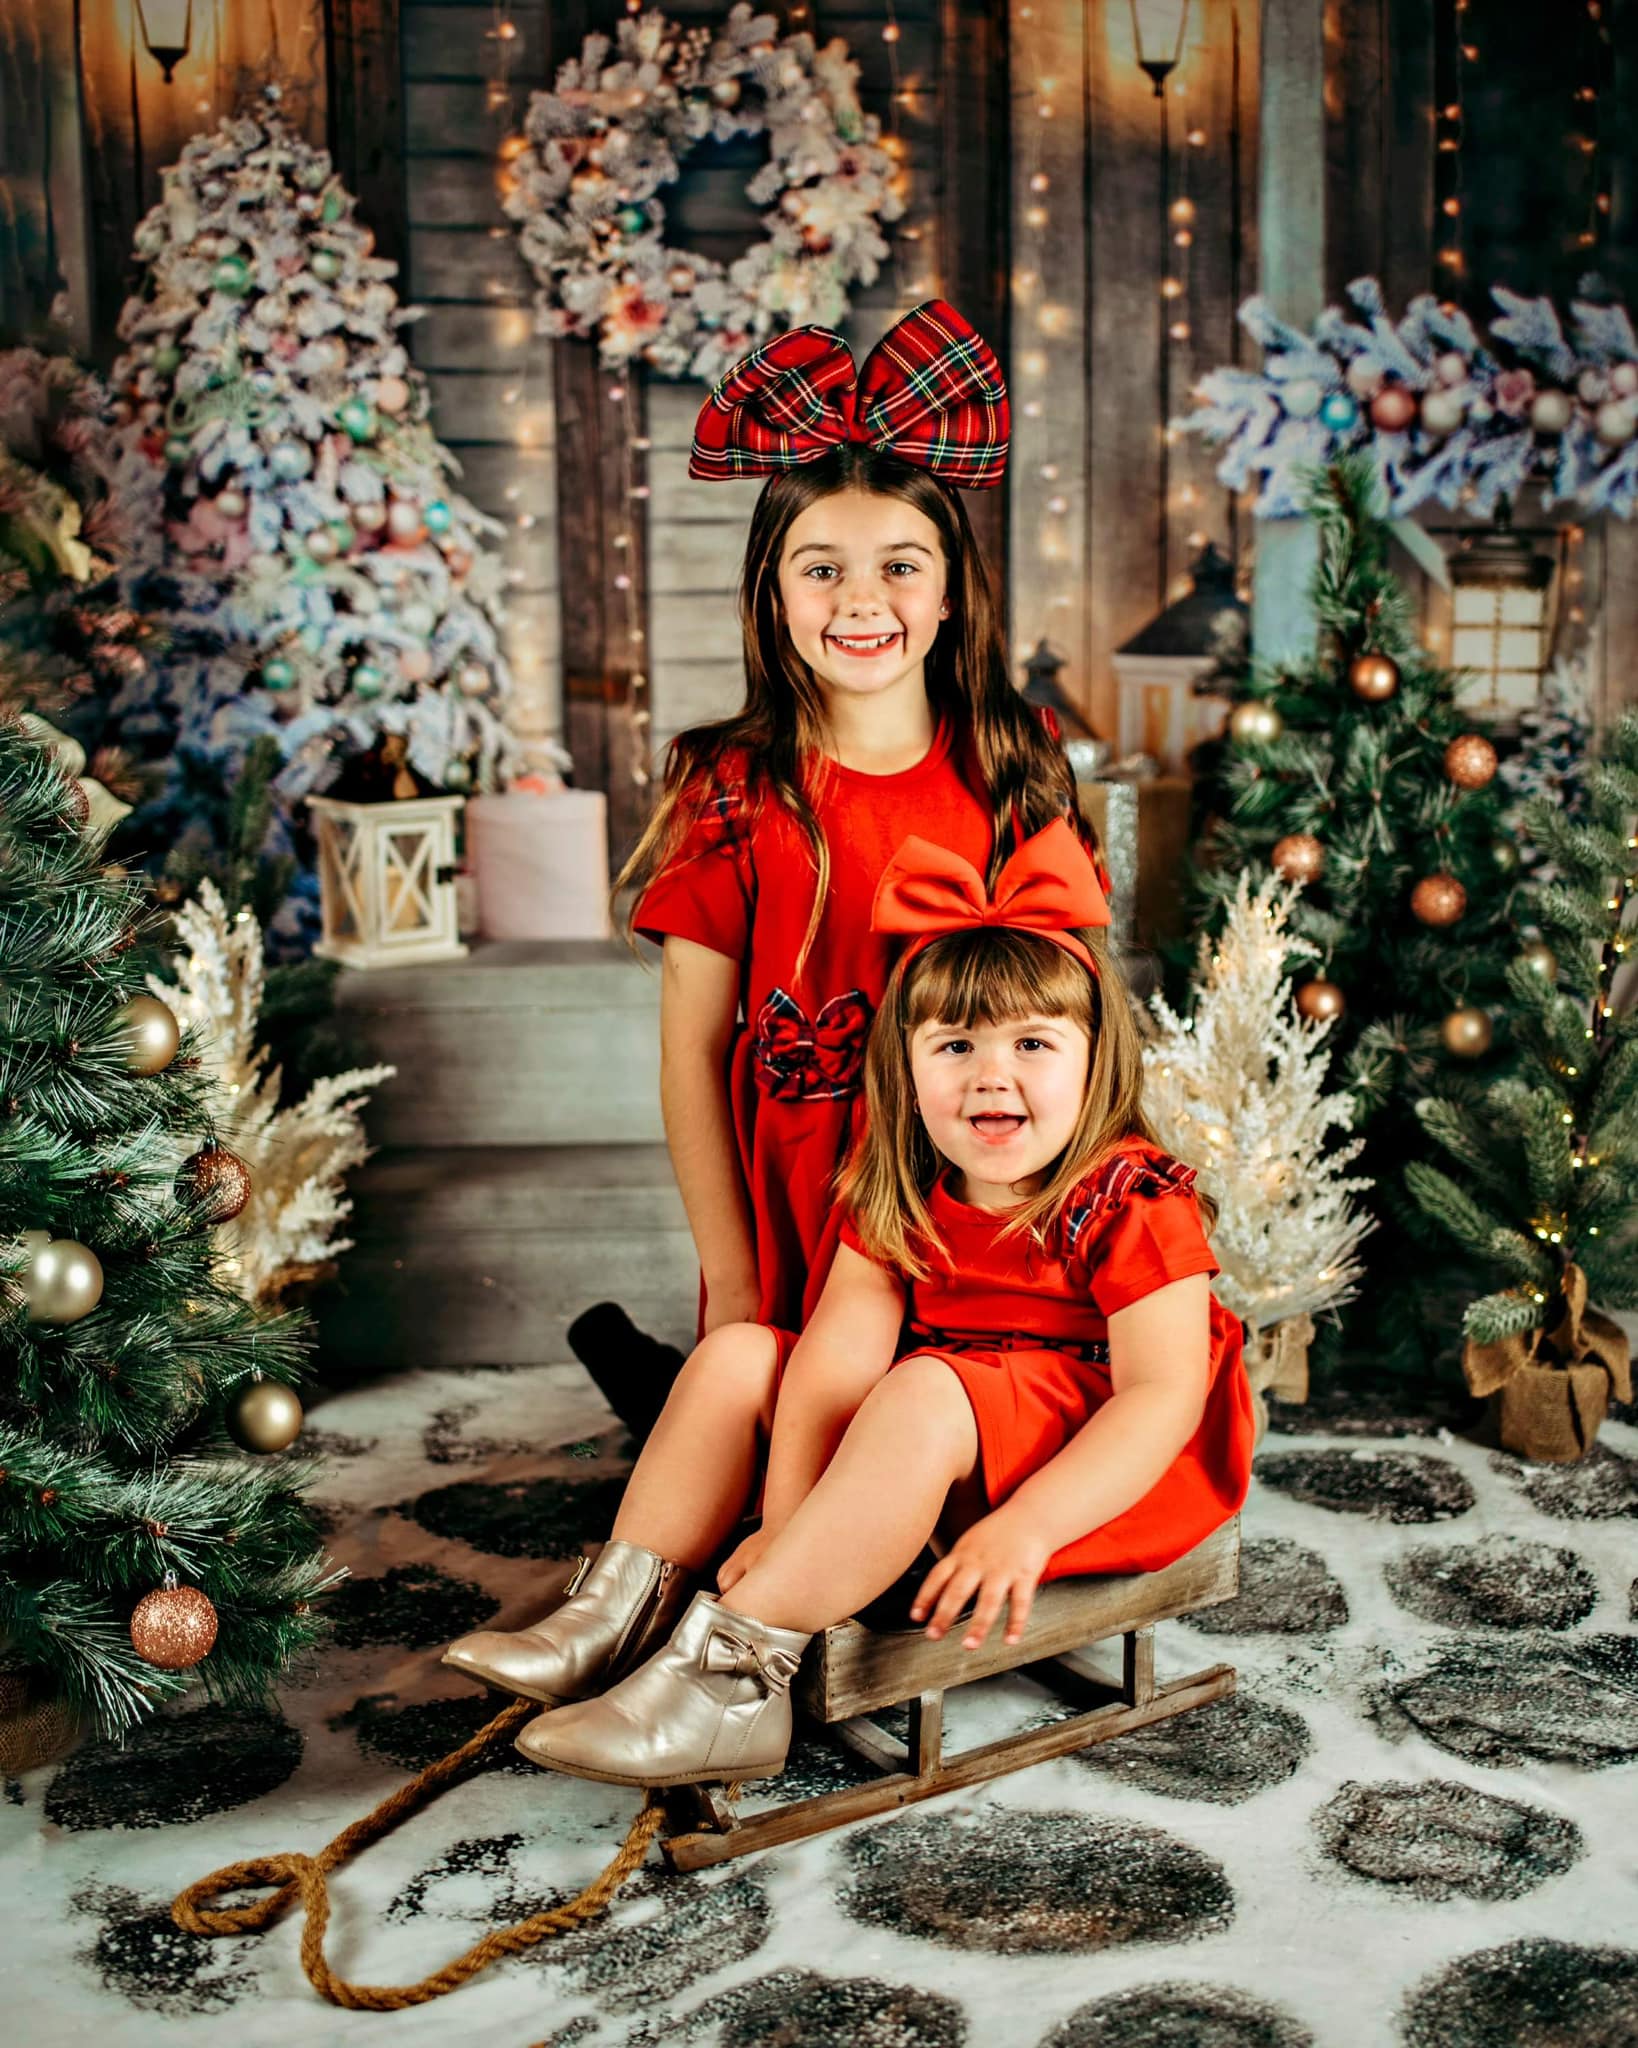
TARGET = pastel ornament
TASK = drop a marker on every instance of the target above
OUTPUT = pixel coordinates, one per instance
(1617, 422)
(1300, 398)
(458, 775)
(321, 544)
(1392, 409)
(1551, 411)
(471, 679)
(1451, 368)
(1364, 377)
(414, 664)
(417, 617)
(176, 451)
(392, 394)
(63, 1280)
(232, 503)
(1442, 411)
(404, 522)
(325, 265)
(369, 518)
(1624, 380)
(167, 359)
(368, 681)
(341, 531)
(291, 460)
(357, 417)
(632, 219)
(278, 675)
(232, 275)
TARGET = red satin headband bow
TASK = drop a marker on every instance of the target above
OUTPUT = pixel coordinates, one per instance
(1048, 887)
(931, 391)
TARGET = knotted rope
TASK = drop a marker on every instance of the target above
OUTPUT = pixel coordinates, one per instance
(303, 1877)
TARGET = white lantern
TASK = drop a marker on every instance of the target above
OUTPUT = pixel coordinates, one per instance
(1499, 622)
(1164, 712)
(387, 880)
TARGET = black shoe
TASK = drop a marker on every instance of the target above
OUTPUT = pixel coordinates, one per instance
(889, 1613)
(633, 1372)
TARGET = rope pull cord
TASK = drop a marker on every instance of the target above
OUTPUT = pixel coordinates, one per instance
(297, 1877)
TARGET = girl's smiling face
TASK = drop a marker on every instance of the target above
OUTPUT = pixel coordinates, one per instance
(1000, 1101)
(862, 587)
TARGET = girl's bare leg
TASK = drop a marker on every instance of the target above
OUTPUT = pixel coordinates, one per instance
(878, 1501)
(699, 1468)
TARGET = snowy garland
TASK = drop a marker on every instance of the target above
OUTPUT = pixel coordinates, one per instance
(582, 181)
(1444, 417)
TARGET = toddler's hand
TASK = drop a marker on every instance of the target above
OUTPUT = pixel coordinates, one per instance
(1001, 1561)
(740, 1560)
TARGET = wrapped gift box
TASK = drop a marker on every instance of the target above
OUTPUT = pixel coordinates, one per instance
(1143, 826)
(541, 864)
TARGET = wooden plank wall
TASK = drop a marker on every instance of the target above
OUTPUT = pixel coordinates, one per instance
(1106, 512)
(490, 374)
(43, 227)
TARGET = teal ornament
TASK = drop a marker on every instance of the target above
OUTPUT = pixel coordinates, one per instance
(167, 359)
(291, 461)
(334, 205)
(176, 451)
(325, 265)
(232, 275)
(632, 219)
(368, 681)
(346, 538)
(278, 674)
(1339, 413)
(357, 415)
(458, 775)
(436, 516)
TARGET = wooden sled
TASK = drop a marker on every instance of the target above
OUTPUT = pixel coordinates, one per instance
(850, 1673)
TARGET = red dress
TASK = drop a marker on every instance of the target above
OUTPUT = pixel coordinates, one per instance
(1027, 1332)
(741, 882)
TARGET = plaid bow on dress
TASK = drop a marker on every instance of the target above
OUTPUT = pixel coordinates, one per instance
(931, 392)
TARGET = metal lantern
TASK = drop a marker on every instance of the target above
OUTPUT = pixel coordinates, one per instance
(167, 32)
(1500, 588)
(387, 880)
(1163, 710)
(1158, 29)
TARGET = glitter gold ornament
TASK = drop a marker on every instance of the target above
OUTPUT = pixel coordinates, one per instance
(214, 1183)
(1467, 1033)
(1255, 723)
(151, 1033)
(1373, 677)
(1321, 1001)
(174, 1627)
(1470, 761)
(1540, 958)
(62, 1281)
(1299, 857)
(1438, 900)
(264, 1417)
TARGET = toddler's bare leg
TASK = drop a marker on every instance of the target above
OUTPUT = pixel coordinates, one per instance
(695, 1477)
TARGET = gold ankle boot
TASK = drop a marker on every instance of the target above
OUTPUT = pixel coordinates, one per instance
(713, 1706)
(614, 1613)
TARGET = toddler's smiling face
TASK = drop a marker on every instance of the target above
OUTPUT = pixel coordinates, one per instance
(1000, 1100)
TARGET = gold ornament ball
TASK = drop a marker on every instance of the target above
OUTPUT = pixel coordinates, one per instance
(215, 1183)
(1255, 723)
(265, 1418)
(1505, 854)
(1438, 900)
(1470, 761)
(1467, 1033)
(1299, 857)
(152, 1035)
(1322, 1002)
(1373, 677)
(62, 1282)
(173, 1628)
(1540, 958)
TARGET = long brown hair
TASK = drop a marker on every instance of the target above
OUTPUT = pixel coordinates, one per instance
(781, 730)
(989, 976)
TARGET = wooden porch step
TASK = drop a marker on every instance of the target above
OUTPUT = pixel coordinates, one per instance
(482, 1255)
(516, 1045)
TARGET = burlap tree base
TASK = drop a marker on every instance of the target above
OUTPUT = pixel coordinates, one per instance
(36, 1727)
(1550, 1388)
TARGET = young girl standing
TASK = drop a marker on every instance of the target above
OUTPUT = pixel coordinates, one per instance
(878, 705)
(1072, 1398)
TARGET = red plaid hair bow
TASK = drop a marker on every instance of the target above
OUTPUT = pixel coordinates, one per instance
(1048, 887)
(931, 391)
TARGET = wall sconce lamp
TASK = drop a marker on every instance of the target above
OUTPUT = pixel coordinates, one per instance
(1160, 14)
(169, 35)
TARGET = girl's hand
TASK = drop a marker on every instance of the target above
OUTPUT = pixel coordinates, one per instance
(1001, 1560)
(740, 1560)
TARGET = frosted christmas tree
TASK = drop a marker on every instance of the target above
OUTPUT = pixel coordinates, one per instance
(1239, 1087)
(316, 575)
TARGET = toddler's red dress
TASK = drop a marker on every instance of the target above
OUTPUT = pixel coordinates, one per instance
(1026, 1330)
(742, 882)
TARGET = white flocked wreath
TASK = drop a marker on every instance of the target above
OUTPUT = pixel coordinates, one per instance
(583, 177)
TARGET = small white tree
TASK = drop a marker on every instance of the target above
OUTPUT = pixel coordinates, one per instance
(299, 1158)
(1238, 1088)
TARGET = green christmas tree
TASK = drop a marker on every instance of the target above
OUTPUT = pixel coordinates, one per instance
(1357, 775)
(1544, 1191)
(144, 1547)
